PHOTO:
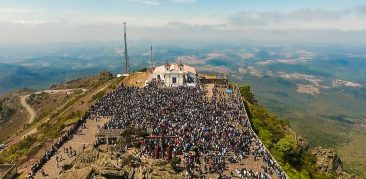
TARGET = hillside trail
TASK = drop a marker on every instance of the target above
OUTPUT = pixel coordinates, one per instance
(32, 113)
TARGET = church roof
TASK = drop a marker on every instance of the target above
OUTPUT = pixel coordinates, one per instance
(174, 68)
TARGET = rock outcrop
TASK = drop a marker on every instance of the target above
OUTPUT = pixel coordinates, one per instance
(326, 160)
(329, 162)
(100, 164)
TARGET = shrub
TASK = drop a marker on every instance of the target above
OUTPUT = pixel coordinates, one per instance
(248, 94)
(5, 111)
(105, 75)
(97, 96)
(16, 151)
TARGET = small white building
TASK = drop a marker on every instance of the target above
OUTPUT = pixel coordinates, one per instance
(175, 74)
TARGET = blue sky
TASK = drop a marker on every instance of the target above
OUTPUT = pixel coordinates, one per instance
(43, 21)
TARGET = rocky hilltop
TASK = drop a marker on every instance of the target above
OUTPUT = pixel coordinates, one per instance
(290, 150)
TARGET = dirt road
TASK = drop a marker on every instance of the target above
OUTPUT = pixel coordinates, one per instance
(32, 113)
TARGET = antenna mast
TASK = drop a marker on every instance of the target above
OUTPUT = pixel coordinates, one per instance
(151, 58)
(126, 53)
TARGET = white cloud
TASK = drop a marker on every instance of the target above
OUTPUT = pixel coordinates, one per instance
(159, 2)
(148, 2)
(29, 22)
(344, 19)
(184, 1)
(303, 25)
(12, 10)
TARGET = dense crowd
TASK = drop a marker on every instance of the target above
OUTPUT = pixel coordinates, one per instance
(201, 131)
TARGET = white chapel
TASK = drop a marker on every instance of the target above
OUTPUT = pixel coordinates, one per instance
(175, 74)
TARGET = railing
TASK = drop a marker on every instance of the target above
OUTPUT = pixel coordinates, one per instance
(102, 132)
(251, 129)
(10, 173)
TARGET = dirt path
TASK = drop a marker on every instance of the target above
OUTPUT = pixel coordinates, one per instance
(87, 137)
(32, 113)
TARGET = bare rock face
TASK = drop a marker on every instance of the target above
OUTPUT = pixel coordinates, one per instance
(326, 160)
(99, 164)
(83, 173)
(329, 162)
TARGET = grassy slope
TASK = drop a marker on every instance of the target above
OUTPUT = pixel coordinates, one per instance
(284, 145)
(352, 152)
(17, 121)
(329, 120)
(51, 125)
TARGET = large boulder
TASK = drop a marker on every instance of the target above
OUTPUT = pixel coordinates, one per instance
(326, 160)
(329, 162)
(83, 173)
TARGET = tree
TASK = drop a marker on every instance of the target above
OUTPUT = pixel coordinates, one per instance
(105, 75)
(288, 147)
(248, 94)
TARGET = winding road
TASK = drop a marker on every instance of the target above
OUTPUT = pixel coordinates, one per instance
(23, 100)
(32, 113)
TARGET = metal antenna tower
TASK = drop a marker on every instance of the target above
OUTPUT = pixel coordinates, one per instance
(151, 58)
(126, 53)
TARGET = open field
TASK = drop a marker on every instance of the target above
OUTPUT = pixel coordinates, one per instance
(352, 151)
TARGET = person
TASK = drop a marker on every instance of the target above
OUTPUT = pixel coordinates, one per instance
(199, 128)
(43, 173)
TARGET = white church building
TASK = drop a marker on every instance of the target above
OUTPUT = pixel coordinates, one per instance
(175, 74)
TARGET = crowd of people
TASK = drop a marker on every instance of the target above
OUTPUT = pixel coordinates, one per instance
(56, 146)
(201, 131)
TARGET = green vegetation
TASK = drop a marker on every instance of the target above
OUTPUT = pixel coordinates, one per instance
(51, 130)
(247, 94)
(16, 151)
(35, 99)
(105, 76)
(55, 126)
(288, 149)
(330, 119)
(5, 111)
(68, 104)
(97, 96)
(115, 82)
(73, 117)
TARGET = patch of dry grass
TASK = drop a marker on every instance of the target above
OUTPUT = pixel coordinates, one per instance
(16, 121)
(353, 153)
(136, 79)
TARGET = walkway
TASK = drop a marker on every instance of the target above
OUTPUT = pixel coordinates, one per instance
(87, 137)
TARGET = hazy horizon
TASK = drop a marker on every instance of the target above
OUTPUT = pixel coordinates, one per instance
(284, 21)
